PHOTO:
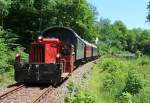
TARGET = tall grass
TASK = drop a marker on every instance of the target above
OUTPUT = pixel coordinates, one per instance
(121, 80)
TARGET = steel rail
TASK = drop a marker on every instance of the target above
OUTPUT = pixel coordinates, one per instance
(11, 91)
(44, 93)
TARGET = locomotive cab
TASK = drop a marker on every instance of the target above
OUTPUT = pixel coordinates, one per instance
(44, 51)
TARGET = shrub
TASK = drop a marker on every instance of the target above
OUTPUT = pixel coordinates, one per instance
(77, 95)
(108, 81)
(144, 61)
(138, 53)
(143, 96)
(110, 64)
(133, 83)
(126, 98)
(7, 55)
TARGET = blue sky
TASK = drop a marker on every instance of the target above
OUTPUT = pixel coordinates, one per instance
(132, 12)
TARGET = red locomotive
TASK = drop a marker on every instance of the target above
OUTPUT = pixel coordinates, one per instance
(53, 56)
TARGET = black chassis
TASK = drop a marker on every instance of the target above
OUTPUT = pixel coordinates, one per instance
(37, 73)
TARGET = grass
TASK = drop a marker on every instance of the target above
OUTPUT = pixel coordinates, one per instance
(110, 76)
(7, 78)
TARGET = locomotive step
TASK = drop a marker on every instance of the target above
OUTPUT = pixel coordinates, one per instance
(63, 75)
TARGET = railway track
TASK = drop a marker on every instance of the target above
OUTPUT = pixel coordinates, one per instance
(26, 94)
(43, 94)
(4, 95)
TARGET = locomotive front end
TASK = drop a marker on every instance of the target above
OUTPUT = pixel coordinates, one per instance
(43, 66)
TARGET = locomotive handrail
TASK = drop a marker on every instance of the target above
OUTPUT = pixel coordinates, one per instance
(63, 60)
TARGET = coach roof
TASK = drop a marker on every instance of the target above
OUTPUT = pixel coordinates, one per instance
(64, 33)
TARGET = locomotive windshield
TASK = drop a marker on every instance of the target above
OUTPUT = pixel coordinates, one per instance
(66, 49)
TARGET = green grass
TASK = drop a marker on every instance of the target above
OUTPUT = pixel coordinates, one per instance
(110, 76)
(7, 78)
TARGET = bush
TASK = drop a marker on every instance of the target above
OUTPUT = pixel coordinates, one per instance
(7, 55)
(110, 64)
(108, 81)
(143, 96)
(77, 95)
(80, 97)
(126, 98)
(144, 61)
(133, 83)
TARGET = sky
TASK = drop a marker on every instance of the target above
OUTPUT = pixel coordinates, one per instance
(132, 12)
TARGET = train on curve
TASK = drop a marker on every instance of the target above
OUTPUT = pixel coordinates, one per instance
(54, 56)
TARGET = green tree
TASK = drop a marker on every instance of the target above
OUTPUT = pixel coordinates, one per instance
(148, 16)
(29, 17)
(4, 6)
(119, 33)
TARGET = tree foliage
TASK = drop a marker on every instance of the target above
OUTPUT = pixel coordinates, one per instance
(148, 16)
(27, 18)
(30, 17)
(116, 37)
(4, 9)
(7, 54)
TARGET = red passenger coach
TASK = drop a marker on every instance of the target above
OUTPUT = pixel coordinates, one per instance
(88, 50)
(52, 56)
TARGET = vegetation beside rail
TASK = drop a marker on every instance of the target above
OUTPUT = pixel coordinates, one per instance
(8, 49)
(122, 80)
(115, 79)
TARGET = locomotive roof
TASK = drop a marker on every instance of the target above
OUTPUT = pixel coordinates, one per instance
(49, 29)
(47, 33)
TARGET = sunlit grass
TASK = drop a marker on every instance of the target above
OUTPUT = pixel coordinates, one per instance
(6, 79)
(123, 65)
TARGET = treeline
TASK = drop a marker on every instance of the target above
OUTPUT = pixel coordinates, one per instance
(117, 37)
(27, 18)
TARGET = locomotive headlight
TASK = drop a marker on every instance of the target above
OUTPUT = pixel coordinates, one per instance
(18, 56)
(58, 55)
(40, 38)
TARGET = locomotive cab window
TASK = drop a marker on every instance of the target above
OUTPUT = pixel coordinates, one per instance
(65, 50)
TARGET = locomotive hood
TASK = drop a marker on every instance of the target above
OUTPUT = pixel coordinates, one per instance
(44, 51)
